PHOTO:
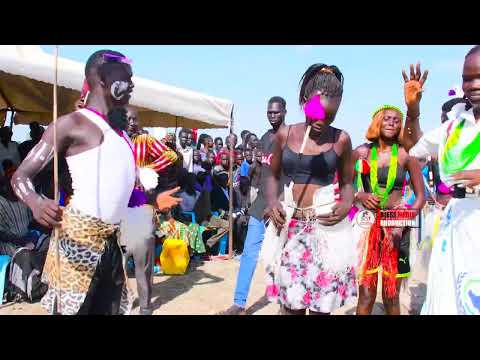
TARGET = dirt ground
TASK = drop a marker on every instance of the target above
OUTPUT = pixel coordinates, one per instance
(208, 287)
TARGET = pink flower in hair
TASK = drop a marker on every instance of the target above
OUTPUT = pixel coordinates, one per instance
(314, 110)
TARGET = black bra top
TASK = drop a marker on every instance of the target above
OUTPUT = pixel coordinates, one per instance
(310, 169)
(382, 174)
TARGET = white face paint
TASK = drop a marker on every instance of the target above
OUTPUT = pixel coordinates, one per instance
(119, 89)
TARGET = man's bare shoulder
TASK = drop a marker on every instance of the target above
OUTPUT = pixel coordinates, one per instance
(75, 125)
(72, 119)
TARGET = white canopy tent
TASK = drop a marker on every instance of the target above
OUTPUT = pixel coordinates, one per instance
(26, 87)
(27, 75)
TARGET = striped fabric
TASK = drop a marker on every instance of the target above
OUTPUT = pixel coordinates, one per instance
(15, 217)
(151, 153)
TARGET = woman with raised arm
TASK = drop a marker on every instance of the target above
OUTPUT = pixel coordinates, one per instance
(315, 268)
(453, 274)
(381, 166)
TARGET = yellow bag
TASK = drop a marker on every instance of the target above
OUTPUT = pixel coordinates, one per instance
(174, 258)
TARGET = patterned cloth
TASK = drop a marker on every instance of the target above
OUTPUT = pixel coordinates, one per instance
(191, 234)
(453, 286)
(381, 250)
(15, 218)
(82, 242)
(434, 142)
(151, 153)
(316, 268)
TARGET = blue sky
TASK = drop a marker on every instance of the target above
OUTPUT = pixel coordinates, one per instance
(250, 75)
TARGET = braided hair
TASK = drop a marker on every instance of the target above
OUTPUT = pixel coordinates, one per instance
(321, 77)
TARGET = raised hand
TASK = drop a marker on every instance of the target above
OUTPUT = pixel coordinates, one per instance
(413, 87)
(166, 201)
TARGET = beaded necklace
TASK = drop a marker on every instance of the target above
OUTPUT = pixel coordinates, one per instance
(392, 174)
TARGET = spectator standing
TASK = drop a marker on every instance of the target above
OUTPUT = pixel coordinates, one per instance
(36, 132)
(8, 148)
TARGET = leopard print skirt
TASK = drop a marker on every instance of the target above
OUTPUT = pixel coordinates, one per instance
(82, 239)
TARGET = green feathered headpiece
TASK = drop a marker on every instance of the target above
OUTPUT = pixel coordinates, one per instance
(388, 107)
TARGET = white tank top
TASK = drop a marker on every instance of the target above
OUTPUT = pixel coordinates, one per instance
(103, 178)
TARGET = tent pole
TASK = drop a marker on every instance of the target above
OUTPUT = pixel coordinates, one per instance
(12, 118)
(5, 117)
(55, 178)
(230, 200)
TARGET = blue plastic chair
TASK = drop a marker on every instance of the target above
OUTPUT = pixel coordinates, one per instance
(222, 245)
(4, 262)
(192, 214)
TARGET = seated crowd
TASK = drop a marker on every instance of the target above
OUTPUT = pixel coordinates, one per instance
(200, 168)
(21, 237)
(202, 173)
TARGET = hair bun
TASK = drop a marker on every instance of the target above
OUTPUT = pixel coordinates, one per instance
(326, 70)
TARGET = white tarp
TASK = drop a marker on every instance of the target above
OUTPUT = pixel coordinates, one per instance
(27, 75)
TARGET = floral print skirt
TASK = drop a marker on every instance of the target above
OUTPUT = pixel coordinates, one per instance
(317, 267)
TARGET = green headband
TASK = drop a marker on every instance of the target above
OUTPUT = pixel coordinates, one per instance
(388, 107)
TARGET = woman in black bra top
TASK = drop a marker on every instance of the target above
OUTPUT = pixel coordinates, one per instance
(311, 279)
(384, 249)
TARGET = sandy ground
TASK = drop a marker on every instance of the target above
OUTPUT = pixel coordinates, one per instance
(208, 287)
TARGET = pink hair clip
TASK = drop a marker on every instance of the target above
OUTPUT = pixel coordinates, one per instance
(117, 58)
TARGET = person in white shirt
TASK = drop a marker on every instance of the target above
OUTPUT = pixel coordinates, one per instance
(184, 147)
(453, 285)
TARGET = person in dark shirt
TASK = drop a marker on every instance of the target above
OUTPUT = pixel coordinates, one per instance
(220, 192)
(276, 112)
(251, 141)
(243, 136)
(36, 132)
